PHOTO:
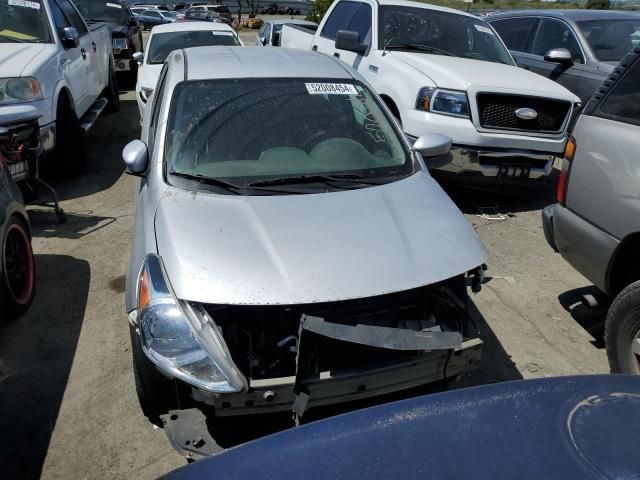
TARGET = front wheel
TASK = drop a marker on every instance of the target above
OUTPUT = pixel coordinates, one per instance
(69, 151)
(622, 331)
(111, 92)
(18, 279)
(142, 26)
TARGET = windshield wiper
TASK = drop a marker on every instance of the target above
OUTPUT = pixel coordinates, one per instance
(228, 186)
(421, 48)
(302, 179)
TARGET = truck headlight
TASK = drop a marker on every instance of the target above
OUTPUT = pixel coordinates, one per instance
(20, 89)
(119, 43)
(180, 338)
(447, 102)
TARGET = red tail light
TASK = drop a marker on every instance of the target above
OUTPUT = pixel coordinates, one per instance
(562, 188)
(563, 181)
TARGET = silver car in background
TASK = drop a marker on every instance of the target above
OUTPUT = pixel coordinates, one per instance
(269, 33)
(596, 223)
(309, 262)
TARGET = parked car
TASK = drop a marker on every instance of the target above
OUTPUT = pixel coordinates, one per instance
(204, 16)
(126, 34)
(166, 38)
(269, 33)
(54, 60)
(19, 138)
(150, 18)
(576, 48)
(595, 224)
(569, 428)
(317, 243)
(221, 10)
(444, 71)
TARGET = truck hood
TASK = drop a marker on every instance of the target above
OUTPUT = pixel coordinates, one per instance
(467, 74)
(299, 249)
(14, 57)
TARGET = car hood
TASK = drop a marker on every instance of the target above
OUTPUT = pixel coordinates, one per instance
(467, 74)
(148, 75)
(14, 57)
(275, 250)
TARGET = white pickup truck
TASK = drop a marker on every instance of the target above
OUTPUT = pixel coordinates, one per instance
(50, 58)
(443, 71)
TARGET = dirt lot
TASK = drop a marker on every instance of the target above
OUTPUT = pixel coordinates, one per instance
(67, 403)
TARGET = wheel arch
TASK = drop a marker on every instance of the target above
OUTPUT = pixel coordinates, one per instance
(624, 267)
(391, 105)
(63, 92)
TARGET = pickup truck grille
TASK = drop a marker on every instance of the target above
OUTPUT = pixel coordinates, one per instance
(498, 111)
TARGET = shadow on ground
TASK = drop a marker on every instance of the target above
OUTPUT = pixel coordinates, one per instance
(45, 224)
(36, 355)
(591, 318)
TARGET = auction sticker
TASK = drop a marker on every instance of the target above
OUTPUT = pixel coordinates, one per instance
(25, 3)
(331, 89)
(483, 29)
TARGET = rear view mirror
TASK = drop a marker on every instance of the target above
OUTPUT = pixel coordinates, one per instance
(70, 37)
(136, 157)
(558, 55)
(432, 145)
(138, 56)
(350, 41)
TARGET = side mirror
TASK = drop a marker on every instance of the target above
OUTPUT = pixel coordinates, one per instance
(136, 157)
(133, 22)
(350, 41)
(263, 41)
(70, 37)
(432, 145)
(276, 39)
(558, 55)
(138, 57)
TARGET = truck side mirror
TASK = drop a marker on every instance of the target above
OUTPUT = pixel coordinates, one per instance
(350, 41)
(432, 145)
(558, 55)
(137, 57)
(136, 157)
(70, 37)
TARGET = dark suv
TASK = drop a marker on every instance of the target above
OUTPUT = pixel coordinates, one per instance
(576, 48)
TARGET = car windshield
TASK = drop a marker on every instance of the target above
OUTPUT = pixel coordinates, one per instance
(162, 44)
(101, 11)
(610, 39)
(265, 130)
(24, 21)
(440, 33)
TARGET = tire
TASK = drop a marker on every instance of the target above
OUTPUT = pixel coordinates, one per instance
(156, 393)
(69, 150)
(622, 331)
(111, 92)
(18, 272)
(142, 26)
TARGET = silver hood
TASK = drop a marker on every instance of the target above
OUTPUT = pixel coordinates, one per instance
(322, 247)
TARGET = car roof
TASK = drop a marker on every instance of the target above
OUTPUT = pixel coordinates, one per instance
(575, 15)
(245, 62)
(426, 6)
(190, 27)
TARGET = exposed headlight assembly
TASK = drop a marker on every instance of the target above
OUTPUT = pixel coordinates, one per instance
(446, 102)
(180, 337)
(19, 90)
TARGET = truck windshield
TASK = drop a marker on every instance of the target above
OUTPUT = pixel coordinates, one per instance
(94, 11)
(162, 44)
(327, 134)
(440, 33)
(611, 39)
(24, 21)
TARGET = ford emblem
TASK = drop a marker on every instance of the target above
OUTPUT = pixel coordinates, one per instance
(526, 113)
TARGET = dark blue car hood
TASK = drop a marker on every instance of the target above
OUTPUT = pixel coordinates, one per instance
(560, 428)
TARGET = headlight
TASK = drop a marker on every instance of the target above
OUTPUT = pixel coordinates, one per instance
(119, 43)
(180, 338)
(18, 90)
(145, 93)
(447, 102)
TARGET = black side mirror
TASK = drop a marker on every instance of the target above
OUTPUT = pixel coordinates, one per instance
(350, 41)
(70, 37)
(276, 39)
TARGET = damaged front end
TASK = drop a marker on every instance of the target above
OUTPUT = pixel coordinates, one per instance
(255, 359)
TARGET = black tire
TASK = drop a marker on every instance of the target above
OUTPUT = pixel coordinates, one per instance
(17, 270)
(111, 92)
(69, 150)
(156, 393)
(142, 26)
(622, 331)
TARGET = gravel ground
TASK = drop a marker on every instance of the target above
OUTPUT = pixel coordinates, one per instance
(67, 402)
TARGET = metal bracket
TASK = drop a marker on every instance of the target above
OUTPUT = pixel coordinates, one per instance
(188, 433)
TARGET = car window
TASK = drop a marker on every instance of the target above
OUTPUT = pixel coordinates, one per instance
(309, 127)
(515, 32)
(609, 39)
(361, 23)
(24, 23)
(73, 16)
(162, 44)
(339, 19)
(99, 11)
(622, 103)
(157, 99)
(267, 32)
(555, 34)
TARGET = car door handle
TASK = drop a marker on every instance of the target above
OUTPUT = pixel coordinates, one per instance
(336, 54)
(314, 48)
(95, 47)
(84, 53)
